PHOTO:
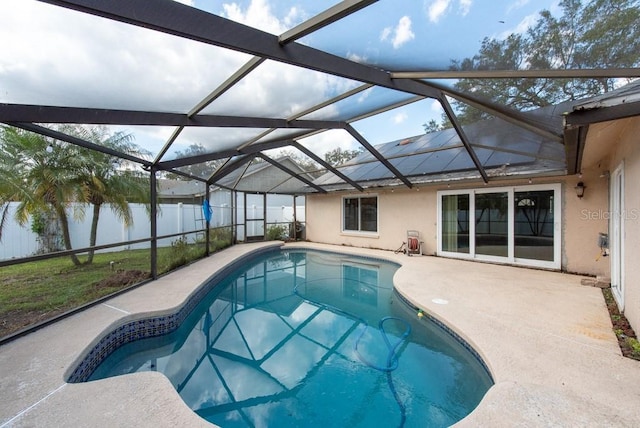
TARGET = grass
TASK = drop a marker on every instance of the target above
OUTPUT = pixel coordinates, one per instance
(57, 282)
(33, 292)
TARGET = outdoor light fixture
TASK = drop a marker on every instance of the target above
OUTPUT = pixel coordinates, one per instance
(580, 189)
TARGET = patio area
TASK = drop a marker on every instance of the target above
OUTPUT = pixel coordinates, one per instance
(546, 338)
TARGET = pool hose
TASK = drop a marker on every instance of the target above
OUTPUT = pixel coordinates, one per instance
(392, 358)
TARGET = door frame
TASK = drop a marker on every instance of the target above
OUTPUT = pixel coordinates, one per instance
(616, 233)
(510, 259)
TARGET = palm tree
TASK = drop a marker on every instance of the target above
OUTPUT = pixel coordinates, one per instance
(9, 185)
(40, 175)
(46, 175)
(105, 179)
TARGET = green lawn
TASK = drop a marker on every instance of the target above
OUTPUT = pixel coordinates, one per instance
(37, 291)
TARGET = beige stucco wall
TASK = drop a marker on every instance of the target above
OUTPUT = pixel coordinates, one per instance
(608, 146)
(398, 211)
(403, 209)
(582, 222)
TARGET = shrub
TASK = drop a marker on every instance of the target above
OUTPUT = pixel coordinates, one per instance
(635, 347)
(181, 253)
(178, 255)
(220, 238)
(276, 232)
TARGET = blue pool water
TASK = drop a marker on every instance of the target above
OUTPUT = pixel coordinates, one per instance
(308, 338)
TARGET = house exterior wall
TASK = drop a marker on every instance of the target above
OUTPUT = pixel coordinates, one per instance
(398, 211)
(403, 209)
(582, 222)
(622, 138)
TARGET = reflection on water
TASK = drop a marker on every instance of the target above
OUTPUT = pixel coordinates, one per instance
(275, 343)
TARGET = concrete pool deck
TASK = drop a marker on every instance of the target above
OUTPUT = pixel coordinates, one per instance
(546, 338)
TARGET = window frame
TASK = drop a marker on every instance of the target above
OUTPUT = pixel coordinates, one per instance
(359, 231)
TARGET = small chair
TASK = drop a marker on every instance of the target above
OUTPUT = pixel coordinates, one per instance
(414, 244)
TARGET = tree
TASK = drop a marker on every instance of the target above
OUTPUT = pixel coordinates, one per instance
(435, 126)
(598, 34)
(103, 180)
(307, 164)
(338, 156)
(40, 175)
(202, 170)
(45, 175)
(11, 188)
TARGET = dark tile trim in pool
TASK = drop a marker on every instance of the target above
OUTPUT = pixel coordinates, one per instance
(153, 326)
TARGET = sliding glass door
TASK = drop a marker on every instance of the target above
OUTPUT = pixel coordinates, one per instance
(492, 224)
(512, 224)
(455, 223)
(534, 225)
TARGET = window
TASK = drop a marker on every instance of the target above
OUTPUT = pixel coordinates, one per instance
(360, 214)
(511, 224)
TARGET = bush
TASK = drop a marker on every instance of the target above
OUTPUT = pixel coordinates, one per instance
(634, 344)
(181, 253)
(178, 253)
(220, 238)
(277, 231)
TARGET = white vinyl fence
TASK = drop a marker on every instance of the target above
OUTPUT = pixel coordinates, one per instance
(20, 241)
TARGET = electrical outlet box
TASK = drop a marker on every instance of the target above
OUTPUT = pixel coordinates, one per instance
(603, 240)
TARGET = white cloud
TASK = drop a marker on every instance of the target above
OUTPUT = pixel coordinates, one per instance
(386, 32)
(364, 95)
(465, 6)
(522, 27)
(258, 14)
(399, 118)
(518, 4)
(399, 35)
(437, 8)
(403, 32)
(357, 58)
(87, 61)
(330, 140)
(294, 17)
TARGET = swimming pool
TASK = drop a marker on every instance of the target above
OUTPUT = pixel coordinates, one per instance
(310, 338)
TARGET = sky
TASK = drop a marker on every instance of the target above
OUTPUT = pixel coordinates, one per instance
(54, 56)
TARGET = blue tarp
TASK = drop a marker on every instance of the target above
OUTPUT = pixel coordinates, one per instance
(207, 210)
